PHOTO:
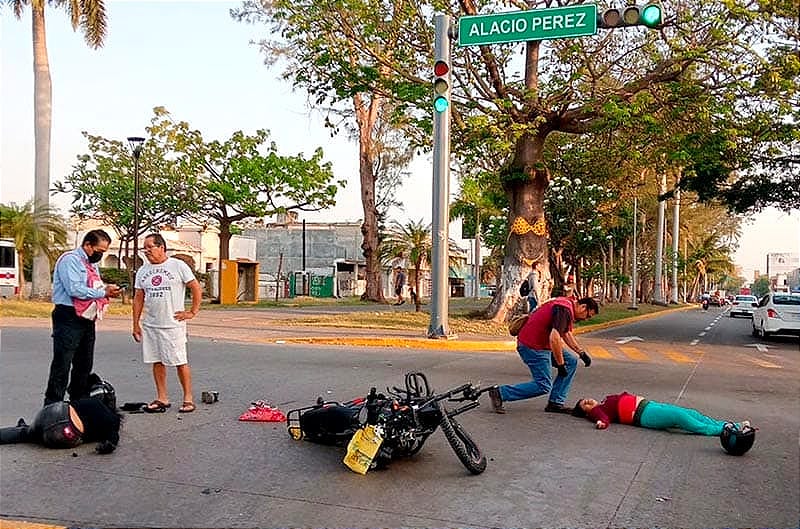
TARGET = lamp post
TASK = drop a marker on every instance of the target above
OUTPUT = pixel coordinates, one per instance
(136, 143)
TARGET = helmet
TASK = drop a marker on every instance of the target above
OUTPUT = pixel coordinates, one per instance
(103, 390)
(736, 441)
(58, 425)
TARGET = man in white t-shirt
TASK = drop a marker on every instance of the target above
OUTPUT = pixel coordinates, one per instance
(159, 319)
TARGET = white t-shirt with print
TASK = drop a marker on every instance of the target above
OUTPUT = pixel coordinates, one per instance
(164, 288)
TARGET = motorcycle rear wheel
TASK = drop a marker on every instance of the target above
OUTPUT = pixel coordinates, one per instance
(462, 444)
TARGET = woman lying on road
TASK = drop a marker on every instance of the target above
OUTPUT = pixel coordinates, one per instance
(626, 408)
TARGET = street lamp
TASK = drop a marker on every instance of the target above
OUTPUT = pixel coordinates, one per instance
(136, 143)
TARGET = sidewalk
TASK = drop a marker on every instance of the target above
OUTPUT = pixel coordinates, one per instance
(275, 326)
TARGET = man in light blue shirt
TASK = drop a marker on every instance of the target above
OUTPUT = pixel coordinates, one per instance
(76, 277)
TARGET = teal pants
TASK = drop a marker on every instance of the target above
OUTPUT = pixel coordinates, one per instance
(660, 416)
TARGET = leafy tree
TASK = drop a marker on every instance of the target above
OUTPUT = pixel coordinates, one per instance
(760, 286)
(34, 230)
(350, 56)
(411, 241)
(90, 17)
(102, 187)
(237, 181)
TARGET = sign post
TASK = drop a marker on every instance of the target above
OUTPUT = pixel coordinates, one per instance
(534, 24)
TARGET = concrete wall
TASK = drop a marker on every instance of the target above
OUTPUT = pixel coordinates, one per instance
(324, 244)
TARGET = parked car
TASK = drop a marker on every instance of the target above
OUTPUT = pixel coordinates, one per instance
(777, 313)
(743, 305)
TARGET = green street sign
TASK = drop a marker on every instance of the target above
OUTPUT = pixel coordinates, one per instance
(533, 24)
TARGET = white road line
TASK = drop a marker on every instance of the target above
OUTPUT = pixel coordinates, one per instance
(701, 334)
(694, 342)
(707, 329)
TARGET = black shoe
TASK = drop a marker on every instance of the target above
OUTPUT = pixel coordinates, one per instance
(496, 400)
(554, 407)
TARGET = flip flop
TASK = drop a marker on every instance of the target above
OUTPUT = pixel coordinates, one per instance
(187, 407)
(157, 407)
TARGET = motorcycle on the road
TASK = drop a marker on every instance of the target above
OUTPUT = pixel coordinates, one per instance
(704, 303)
(381, 427)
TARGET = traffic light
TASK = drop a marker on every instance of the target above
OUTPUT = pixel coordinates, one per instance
(648, 15)
(441, 86)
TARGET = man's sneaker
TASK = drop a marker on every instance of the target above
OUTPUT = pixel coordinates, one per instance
(554, 407)
(496, 399)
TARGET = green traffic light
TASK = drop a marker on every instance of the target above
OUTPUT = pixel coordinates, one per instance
(651, 15)
(440, 104)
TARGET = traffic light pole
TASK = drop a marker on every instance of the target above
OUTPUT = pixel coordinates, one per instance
(440, 291)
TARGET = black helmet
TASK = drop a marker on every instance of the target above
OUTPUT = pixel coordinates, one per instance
(55, 425)
(736, 441)
(103, 390)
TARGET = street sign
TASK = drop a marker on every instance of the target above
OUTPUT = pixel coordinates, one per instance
(533, 24)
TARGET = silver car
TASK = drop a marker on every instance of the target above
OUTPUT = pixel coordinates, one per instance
(777, 313)
(743, 305)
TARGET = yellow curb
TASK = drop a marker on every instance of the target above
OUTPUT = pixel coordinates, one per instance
(410, 343)
(454, 344)
(19, 524)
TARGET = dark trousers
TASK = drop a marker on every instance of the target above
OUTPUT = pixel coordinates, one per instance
(73, 346)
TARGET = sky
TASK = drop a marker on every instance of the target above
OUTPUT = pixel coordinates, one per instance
(194, 59)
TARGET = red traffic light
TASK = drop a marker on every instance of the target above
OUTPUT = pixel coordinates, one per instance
(440, 68)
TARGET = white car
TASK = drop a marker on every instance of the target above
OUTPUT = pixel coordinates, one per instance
(777, 313)
(743, 305)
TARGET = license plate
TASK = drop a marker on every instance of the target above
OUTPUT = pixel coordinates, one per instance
(362, 448)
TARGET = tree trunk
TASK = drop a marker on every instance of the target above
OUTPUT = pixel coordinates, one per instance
(366, 112)
(42, 115)
(525, 182)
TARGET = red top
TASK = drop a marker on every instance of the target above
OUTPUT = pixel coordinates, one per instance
(536, 331)
(615, 408)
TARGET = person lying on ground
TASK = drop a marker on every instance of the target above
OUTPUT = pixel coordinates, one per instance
(626, 408)
(68, 424)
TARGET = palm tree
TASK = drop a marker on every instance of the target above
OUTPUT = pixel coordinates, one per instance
(410, 241)
(35, 230)
(90, 16)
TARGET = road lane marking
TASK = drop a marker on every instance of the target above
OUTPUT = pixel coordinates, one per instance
(680, 358)
(601, 352)
(694, 342)
(764, 363)
(634, 354)
(701, 334)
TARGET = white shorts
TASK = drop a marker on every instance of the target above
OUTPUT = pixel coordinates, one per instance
(165, 345)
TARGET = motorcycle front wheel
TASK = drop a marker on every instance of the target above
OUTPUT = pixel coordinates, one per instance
(462, 444)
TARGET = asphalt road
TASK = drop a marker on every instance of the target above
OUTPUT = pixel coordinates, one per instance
(207, 469)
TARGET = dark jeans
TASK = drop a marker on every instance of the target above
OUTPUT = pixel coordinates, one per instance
(73, 345)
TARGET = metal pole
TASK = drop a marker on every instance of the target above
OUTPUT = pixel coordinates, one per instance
(635, 257)
(135, 210)
(676, 211)
(440, 292)
(658, 293)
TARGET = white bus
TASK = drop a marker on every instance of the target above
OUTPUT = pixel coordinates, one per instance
(9, 269)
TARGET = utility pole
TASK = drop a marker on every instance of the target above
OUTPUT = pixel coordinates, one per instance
(676, 211)
(634, 279)
(440, 292)
(658, 292)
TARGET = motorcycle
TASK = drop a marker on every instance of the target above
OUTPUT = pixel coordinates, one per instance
(704, 303)
(381, 427)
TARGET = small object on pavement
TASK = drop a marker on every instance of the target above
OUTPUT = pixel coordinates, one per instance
(261, 411)
(209, 397)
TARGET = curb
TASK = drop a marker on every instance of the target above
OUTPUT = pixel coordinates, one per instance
(456, 344)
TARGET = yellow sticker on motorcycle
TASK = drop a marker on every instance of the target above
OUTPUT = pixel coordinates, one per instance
(362, 448)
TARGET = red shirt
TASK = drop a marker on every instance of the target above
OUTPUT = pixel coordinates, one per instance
(536, 331)
(615, 408)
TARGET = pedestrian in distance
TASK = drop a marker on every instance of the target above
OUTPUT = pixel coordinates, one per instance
(79, 295)
(530, 287)
(540, 344)
(159, 319)
(627, 408)
(399, 283)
